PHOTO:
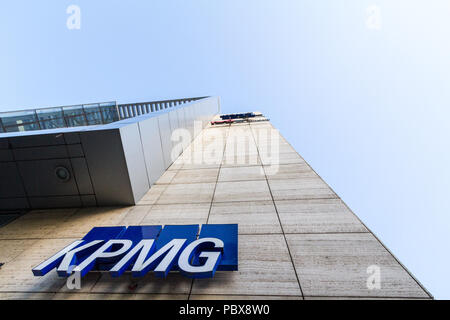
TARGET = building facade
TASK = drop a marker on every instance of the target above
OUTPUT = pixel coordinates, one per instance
(297, 238)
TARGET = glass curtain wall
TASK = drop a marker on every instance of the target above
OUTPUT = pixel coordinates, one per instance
(59, 117)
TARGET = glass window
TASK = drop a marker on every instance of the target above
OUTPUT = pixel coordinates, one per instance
(51, 118)
(22, 117)
(20, 121)
(93, 114)
(60, 117)
(74, 116)
(22, 127)
(109, 112)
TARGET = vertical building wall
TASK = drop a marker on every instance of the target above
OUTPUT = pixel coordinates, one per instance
(297, 238)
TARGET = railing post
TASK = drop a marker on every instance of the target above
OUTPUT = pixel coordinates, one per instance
(37, 119)
(118, 110)
(101, 114)
(3, 127)
(85, 116)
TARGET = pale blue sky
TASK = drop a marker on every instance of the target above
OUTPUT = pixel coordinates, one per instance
(368, 109)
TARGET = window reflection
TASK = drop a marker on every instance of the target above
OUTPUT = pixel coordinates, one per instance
(51, 118)
(20, 121)
(93, 114)
(60, 117)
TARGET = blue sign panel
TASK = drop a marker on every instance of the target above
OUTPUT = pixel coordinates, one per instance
(136, 235)
(228, 234)
(141, 249)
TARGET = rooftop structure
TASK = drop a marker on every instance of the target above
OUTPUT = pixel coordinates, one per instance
(95, 161)
(80, 115)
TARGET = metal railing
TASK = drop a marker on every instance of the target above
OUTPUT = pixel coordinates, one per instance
(131, 110)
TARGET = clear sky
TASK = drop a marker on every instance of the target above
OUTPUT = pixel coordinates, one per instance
(360, 88)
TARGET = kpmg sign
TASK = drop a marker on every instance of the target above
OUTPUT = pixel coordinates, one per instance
(141, 249)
